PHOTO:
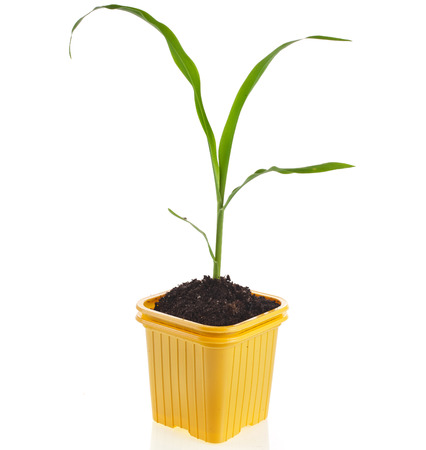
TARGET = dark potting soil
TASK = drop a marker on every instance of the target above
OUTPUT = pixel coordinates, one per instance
(213, 301)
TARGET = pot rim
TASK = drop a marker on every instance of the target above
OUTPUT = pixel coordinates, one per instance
(147, 315)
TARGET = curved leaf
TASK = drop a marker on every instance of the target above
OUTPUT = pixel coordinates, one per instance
(186, 66)
(309, 169)
(200, 231)
(226, 140)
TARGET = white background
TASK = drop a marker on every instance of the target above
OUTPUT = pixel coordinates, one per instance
(95, 149)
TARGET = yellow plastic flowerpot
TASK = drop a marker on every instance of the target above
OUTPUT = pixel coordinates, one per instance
(210, 380)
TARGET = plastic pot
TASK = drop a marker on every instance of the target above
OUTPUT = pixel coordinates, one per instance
(210, 380)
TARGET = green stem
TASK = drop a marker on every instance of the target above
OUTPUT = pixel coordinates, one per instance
(219, 233)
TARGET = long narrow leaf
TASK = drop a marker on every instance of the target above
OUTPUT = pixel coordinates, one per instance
(231, 123)
(200, 231)
(309, 169)
(186, 66)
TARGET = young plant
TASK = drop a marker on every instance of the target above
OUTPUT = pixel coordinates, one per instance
(220, 157)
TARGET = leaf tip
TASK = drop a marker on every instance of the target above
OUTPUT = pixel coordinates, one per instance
(69, 46)
(329, 38)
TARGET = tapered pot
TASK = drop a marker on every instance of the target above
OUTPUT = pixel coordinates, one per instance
(210, 380)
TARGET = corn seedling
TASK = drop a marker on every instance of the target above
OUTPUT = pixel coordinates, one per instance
(220, 155)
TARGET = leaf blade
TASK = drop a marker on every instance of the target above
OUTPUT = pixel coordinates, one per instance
(185, 65)
(326, 167)
(225, 144)
(198, 229)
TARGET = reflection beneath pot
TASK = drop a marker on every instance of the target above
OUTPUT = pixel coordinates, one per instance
(250, 438)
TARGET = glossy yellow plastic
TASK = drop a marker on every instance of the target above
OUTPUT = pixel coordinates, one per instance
(210, 380)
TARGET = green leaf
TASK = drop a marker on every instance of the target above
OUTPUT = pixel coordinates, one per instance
(226, 140)
(200, 231)
(309, 169)
(186, 66)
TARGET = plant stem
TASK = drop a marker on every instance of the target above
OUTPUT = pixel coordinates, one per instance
(219, 233)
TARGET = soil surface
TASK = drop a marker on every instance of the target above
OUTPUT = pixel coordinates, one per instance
(213, 302)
